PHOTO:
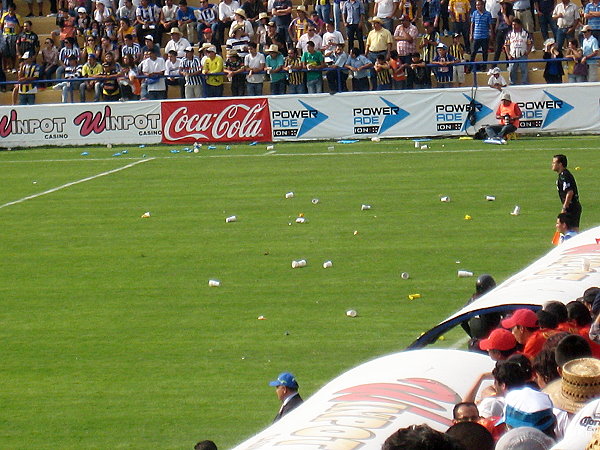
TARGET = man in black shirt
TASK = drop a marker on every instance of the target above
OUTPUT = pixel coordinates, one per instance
(567, 190)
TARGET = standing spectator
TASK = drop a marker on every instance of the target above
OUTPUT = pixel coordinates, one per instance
(592, 15)
(481, 31)
(313, 61)
(553, 71)
(319, 24)
(360, 66)
(418, 74)
(310, 36)
(154, 69)
(70, 49)
(386, 10)
(299, 25)
(431, 12)
(213, 64)
(208, 37)
(10, 22)
(544, 10)
(168, 17)
(177, 43)
(91, 69)
(522, 10)
(353, 13)
(405, 36)
(293, 65)
(457, 50)
(132, 48)
(459, 13)
(191, 68)
(589, 48)
(331, 39)
(234, 68)
(503, 27)
(49, 59)
(443, 72)
(398, 71)
(337, 14)
(172, 73)
(566, 14)
(323, 10)
(379, 42)
(429, 42)
(186, 21)
(254, 62)
(282, 16)
(336, 79)
(226, 15)
(383, 73)
(208, 17)
(274, 38)
(253, 8)
(128, 10)
(102, 13)
(72, 72)
(30, 6)
(260, 36)
(147, 17)
(27, 40)
(274, 63)
(29, 73)
(518, 45)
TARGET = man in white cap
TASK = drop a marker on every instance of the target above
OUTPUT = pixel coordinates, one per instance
(508, 114)
(287, 393)
(213, 64)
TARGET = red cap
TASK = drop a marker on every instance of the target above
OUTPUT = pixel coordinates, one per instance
(524, 317)
(499, 339)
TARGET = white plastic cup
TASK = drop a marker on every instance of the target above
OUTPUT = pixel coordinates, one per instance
(490, 198)
(289, 195)
(300, 220)
(516, 211)
(365, 207)
(405, 275)
(315, 201)
(270, 147)
(298, 264)
(464, 274)
(375, 139)
(424, 147)
(351, 313)
(214, 283)
(445, 199)
(585, 265)
(231, 219)
(416, 144)
(331, 148)
(327, 264)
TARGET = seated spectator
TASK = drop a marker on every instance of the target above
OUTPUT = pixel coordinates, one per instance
(418, 74)
(207, 16)
(172, 73)
(128, 81)
(582, 432)
(564, 225)
(226, 15)
(108, 46)
(168, 17)
(49, 59)
(132, 49)
(500, 344)
(274, 64)
(110, 30)
(239, 41)
(149, 45)
(66, 26)
(72, 73)
(208, 37)
(544, 364)
(147, 20)
(419, 437)
(102, 14)
(524, 326)
(254, 63)
(234, 68)
(526, 407)
(213, 65)
(293, 65)
(383, 71)
(128, 11)
(313, 61)
(336, 79)
(239, 21)
(260, 35)
(559, 310)
(360, 66)
(186, 21)
(191, 69)
(90, 45)
(525, 438)
(125, 29)
(472, 436)
(154, 69)
(443, 72)
(70, 49)
(496, 80)
(177, 43)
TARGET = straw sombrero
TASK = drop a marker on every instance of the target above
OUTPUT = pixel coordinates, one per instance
(579, 384)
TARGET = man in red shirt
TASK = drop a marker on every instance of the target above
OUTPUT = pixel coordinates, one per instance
(508, 114)
(524, 326)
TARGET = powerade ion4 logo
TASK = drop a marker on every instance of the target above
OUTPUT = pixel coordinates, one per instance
(295, 123)
(377, 119)
(455, 116)
(540, 114)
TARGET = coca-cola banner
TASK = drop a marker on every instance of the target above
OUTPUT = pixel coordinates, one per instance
(79, 124)
(216, 120)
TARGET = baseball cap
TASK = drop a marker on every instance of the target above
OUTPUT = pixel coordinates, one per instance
(189, 49)
(285, 379)
(524, 317)
(81, 9)
(207, 30)
(212, 48)
(441, 45)
(499, 339)
(527, 407)
(25, 55)
(149, 37)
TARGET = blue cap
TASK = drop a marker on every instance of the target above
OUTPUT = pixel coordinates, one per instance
(285, 379)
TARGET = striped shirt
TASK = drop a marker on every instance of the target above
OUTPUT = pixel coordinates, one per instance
(72, 71)
(192, 65)
(294, 77)
(210, 14)
(458, 51)
(149, 13)
(240, 45)
(29, 70)
(133, 50)
(65, 53)
(383, 77)
(482, 23)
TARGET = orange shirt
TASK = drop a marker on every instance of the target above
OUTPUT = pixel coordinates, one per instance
(512, 110)
(536, 341)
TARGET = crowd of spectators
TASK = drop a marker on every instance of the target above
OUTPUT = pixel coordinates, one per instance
(385, 44)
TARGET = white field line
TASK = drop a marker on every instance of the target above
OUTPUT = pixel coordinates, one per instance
(497, 148)
(73, 183)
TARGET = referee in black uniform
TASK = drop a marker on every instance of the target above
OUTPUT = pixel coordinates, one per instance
(567, 190)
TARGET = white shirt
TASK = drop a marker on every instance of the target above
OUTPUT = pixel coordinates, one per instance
(248, 29)
(255, 62)
(570, 14)
(385, 8)
(330, 40)
(158, 65)
(226, 10)
(172, 68)
(178, 46)
(170, 14)
(493, 6)
(303, 41)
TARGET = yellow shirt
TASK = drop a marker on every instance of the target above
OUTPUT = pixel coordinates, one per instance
(214, 66)
(379, 41)
(88, 71)
(460, 8)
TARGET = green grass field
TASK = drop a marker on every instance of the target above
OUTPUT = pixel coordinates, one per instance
(111, 337)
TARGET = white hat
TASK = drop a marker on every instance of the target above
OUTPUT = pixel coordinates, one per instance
(212, 48)
(494, 70)
(81, 9)
(524, 438)
(189, 49)
(149, 37)
(26, 55)
(505, 96)
(528, 408)
(240, 12)
(272, 48)
(441, 45)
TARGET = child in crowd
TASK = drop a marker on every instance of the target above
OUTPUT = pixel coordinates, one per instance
(384, 78)
(234, 68)
(496, 80)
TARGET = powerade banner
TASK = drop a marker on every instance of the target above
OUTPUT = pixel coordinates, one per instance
(231, 120)
(362, 407)
(80, 124)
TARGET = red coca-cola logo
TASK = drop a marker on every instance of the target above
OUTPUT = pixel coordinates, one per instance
(220, 120)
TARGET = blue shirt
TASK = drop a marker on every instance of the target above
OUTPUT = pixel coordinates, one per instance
(589, 46)
(352, 11)
(482, 23)
(357, 62)
(188, 15)
(593, 22)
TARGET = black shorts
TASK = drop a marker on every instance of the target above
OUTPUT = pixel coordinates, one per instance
(574, 211)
